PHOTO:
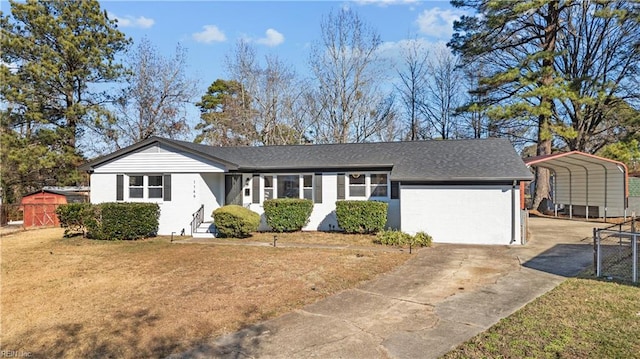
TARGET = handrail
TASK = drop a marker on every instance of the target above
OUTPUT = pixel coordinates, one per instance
(197, 219)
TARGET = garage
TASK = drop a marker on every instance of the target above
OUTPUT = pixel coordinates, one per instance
(469, 214)
(586, 185)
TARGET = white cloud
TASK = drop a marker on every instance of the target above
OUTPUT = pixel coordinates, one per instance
(394, 50)
(438, 22)
(131, 21)
(209, 34)
(272, 38)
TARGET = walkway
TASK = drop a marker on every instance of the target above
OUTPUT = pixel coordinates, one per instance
(424, 308)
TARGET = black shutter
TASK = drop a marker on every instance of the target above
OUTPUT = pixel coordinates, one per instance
(317, 187)
(395, 190)
(255, 187)
(167, 187)
(340, 185)
(119, 187)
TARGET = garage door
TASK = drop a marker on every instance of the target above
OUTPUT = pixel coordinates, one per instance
(461, 214)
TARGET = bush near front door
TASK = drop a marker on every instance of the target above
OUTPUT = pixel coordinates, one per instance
(287, 214)
(235, 221)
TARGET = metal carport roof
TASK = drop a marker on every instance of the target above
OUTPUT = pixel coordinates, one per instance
(582, 179)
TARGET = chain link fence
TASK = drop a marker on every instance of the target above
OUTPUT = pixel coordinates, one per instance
(616, 252)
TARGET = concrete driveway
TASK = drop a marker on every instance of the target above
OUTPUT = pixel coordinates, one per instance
(424, 308)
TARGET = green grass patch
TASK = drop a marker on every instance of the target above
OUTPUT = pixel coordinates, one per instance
(581, 318)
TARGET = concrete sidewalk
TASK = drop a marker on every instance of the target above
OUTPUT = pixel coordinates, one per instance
(424, 308)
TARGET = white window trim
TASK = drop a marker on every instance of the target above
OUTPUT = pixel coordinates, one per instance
(367, 184)
(301, 186)
(145, 188)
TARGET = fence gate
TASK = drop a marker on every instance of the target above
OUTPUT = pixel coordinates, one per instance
(616, 252)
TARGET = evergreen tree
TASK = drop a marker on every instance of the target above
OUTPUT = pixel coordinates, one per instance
(54, 53)
(548, 64)
(226, 116)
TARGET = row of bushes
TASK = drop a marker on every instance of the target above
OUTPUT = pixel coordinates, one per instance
(290, 215)
(115, 221)
(394, 237)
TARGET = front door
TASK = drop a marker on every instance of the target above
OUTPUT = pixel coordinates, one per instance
(233, 189)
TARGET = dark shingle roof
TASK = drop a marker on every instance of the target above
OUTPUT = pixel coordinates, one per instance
(433, 161)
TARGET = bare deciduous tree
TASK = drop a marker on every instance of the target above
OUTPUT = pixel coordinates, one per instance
(444, 94)
(347, 69)
(599, 56)
(274, 95)
(413, 75)
(156, 97)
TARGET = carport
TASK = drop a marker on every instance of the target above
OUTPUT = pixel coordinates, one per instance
(591, 186)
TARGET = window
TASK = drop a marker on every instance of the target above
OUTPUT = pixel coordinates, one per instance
(150, 187)
(289, 186)
(268, 187)
(366, 185)
(155, 186)
(379, 185)
(307, 183)
(357, 185)
(136, 186)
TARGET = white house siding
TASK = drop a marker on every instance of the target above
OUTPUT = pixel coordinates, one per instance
(194, 182)
(323, 216)
(461, 214)
(103, 187)
(157, 159)
(189, 192)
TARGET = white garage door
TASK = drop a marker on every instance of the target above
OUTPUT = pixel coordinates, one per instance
(461, 214)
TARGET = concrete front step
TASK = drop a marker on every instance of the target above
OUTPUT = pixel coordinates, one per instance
(205, 230)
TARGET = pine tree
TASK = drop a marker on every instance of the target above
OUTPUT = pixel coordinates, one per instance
(553, 70)
(54, 53)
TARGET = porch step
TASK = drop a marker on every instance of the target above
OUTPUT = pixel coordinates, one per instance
(205, 230)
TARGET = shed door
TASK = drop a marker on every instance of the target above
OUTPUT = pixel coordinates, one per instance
(461, 214)
(233, 189)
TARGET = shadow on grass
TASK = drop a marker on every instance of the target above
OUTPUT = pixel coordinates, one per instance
(121, 337)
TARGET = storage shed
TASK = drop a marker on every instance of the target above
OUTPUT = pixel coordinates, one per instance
(39, 208)
(586, 185)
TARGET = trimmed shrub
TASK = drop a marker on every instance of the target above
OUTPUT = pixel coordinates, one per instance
(422, 239)
(235, 221)
(74, 217)
(392, 237)
(287, 214)
(361, 216)
(124, 221)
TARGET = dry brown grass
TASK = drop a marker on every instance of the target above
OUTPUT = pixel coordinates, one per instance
(308, 238)
(82, 298)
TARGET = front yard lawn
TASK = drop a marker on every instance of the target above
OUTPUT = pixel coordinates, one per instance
(581, 318)
(82, 298)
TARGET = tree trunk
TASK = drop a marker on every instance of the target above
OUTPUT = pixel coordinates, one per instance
(543, 188)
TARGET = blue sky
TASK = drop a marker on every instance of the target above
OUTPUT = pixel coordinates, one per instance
(209, 29)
